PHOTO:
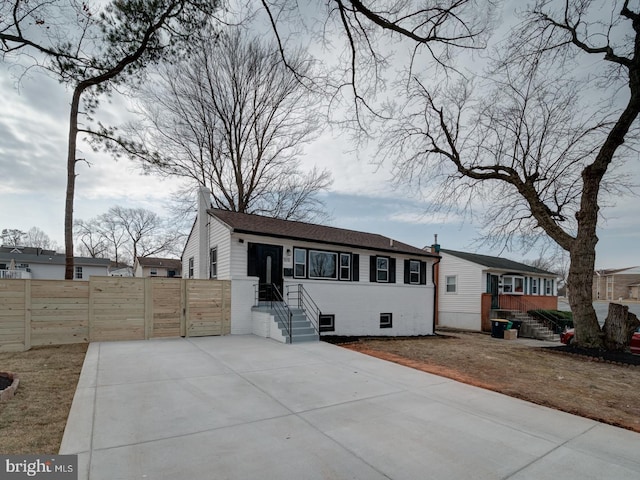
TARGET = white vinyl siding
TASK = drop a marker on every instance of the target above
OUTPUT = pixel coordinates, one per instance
(357, 305)
(461, 310)
(191, 251)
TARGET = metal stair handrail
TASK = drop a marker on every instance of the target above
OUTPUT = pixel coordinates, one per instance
(523, 306)
(277, 304)
(305, 303)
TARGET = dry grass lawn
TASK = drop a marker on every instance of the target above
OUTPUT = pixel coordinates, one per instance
(602, 391)
(33, 421)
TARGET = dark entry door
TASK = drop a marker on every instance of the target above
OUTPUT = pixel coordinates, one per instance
(493, 289)
(265, 262)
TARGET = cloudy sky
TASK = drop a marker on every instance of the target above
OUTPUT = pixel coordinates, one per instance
(33, 129)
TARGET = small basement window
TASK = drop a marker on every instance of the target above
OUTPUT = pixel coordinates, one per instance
(386, 320)
(327, 323)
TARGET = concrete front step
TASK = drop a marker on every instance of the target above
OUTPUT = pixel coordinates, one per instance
(302, 329)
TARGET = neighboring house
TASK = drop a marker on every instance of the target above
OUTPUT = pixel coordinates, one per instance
(120, 270)
(471, 285)
(36, 263)
(616, 284)
(362, 283)
(157, 267)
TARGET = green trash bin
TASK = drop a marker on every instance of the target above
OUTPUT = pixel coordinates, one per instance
(498, 326)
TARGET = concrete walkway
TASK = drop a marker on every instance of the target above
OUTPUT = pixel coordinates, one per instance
(243, 407)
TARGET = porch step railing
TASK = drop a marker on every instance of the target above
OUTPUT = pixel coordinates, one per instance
(297, 295)
(515, 303)
(517, 309)
(276, 303)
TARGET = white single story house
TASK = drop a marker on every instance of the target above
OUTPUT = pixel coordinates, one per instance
(471, 285)
(36, 263)
(157, 267)
(361, 283)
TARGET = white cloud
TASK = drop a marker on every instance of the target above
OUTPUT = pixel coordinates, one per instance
(426, 218)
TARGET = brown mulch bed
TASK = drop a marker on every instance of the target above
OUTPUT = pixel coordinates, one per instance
(560, 378)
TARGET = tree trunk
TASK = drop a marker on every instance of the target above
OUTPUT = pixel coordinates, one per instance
(71, 183)
(619, 327)
(579, 287)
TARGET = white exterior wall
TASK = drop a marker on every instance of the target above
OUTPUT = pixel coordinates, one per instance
(56, 272)
(462, 309)
(191, 251)
(242, 299)
(356, 305)
(217, 237)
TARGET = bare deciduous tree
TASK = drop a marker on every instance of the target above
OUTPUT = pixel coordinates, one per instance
(36, 237)
(148, 234)
(234, 119)
(365, 36)
(89, 235)
(13, 237)
(113, 234)
(123, 234)
(535, 143)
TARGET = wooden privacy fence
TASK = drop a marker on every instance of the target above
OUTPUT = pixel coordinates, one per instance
(53, 312)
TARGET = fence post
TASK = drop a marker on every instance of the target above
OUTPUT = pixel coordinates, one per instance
(185, 310)
(183, 306)
(223, 308)
(27, 314)
(90, 315)
(148, 308)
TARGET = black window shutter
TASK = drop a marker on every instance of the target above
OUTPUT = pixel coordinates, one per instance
(355, 267)
(423, 273)
(372, 269)
(407, 273)
(392, 270)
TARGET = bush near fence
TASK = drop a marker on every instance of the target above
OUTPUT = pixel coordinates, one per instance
(53, 312)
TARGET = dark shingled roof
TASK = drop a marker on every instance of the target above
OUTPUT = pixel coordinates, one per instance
(496, 262)
(160, 262)
(57, 259)
(276, 227)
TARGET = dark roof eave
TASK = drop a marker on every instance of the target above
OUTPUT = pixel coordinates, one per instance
(326, 242)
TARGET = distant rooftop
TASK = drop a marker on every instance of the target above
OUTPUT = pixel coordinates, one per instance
(159, 262)
(496, 262)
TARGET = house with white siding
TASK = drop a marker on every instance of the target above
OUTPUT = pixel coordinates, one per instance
(157, 267)
(342, 281)
(36, 263)
(470, 286)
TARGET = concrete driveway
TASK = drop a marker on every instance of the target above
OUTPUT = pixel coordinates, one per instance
(244, 407)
